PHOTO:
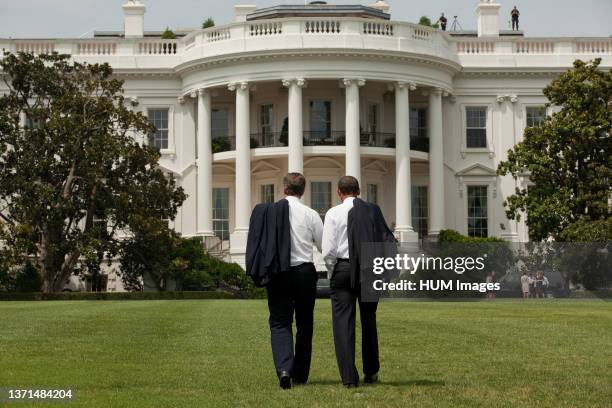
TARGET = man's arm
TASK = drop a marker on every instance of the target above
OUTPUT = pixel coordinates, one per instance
(317, 230)
(329, 242)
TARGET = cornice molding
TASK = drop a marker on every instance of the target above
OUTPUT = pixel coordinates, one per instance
(446, 65)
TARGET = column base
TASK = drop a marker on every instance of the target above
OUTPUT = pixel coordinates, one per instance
(510, 237)
(408, 236)
(238, 242)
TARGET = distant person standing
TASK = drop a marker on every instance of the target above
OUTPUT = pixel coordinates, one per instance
(525, 285)
(532, 281)
(442, 20)
(539, 285)
(490, 279)
(515, 18)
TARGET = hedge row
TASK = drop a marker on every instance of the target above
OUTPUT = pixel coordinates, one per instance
(122, 295)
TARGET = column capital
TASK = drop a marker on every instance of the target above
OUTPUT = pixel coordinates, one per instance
(242, 85)
(411, 86)
(203, 92)
(346, 82)
(181, 99)
(133, 100)
(437, 91)
(511, 98)
(301, 82)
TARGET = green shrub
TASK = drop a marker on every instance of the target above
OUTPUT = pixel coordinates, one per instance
(448, 236)
(168, 34)
(208, 23)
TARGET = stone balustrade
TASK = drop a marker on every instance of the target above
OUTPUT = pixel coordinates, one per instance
(321, 33)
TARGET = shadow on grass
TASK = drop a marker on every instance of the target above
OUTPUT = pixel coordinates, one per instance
(405, 383)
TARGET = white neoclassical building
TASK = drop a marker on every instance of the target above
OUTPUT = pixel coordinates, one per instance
(420, 116)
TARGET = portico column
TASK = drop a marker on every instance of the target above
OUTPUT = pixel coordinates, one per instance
(295, 113)
(403, 200)
(204, 163)
(243, 172)
(436, 163)
(353, 137)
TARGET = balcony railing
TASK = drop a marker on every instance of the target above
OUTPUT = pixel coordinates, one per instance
(269, 139)
(377, 139)
(319, 138)
(325, 138)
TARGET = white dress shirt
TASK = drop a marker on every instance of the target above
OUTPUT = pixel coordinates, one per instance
(335, 234)
(306, 229)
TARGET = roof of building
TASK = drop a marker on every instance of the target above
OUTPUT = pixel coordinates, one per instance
(474, 33)
(181, 32)
(318, 9)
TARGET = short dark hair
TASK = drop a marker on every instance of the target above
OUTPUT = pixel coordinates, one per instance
(348, 185)
(294, 184)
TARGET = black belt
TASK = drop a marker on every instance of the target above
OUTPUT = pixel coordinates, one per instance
(343, 260)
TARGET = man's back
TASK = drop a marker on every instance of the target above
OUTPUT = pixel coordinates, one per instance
(306, 229)
(335, 233)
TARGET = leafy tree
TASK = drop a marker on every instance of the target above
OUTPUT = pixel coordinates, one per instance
(72, 177)
(568, 159)
(208, 23)
(168, 34)
(164, 261)
(426, 21)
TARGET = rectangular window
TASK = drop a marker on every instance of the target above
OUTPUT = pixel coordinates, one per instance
(535, 115)
(159, 119)
(420, 210)
(220, 123)
(221, 213)
(476, 127)
(31, 123)
(266, 118)
(267, 193)
(373, 114)
(418, 122)
(320, 196)
(372, 193)
(478, 220)
(320, 119)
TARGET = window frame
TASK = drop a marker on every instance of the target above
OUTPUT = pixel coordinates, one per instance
(311, 195)
(488, 129)
(229, 212)
(413, 217)
(331, 112)
(487, 207)
(263, 184)
(528, 106)
(171, 149)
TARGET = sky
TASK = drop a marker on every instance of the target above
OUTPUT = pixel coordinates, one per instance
(79, 18)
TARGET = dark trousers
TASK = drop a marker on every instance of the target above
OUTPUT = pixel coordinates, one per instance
(293, 291)
(344, 299)
(515, 24)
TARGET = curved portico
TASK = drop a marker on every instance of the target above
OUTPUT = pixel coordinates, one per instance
(361, 120)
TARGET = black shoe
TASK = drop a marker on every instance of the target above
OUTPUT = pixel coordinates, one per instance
(371, 379)
(297, 381)
(348, 386)
(284, 380)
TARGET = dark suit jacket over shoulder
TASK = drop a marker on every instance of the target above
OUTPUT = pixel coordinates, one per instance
(268, 248)
(366, 224)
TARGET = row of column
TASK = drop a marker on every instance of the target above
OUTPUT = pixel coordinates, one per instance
(404, 227)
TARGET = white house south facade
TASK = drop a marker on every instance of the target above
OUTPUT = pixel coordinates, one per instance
(420, 116)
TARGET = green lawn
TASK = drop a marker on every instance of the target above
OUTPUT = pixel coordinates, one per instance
(216, 353)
